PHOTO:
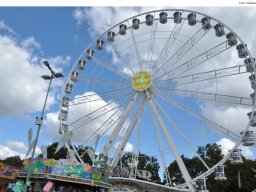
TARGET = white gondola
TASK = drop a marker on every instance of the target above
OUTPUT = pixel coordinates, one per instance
(201, 185)
(149, 19)
(74, 76)
(252, 80)
(100, 44)
(111, 36)
(219, 30)
(81, 64)
(232, 39)
(64, 127)
(250, 64)
(206, 24)
(177, 17)
(65, 101)
(122, 29)
(163, 17)
(253, 120)
(236, 157)
(252, 95)
(248, 139)
(191, 19)
(220, 173)
(68, 88)
(89, 54)
(242, 51)
(63, 115)
(135, 23)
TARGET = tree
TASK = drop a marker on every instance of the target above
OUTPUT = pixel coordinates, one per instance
(13, 160)
(145, 162)
(211, 154)
(84, 155)
(62, 153)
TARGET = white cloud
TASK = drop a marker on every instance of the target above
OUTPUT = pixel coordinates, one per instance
(234, 118)
(128, 147)
(6, 152)
(16, 146)
(52, 126)
(12, 148)
(85, 127)
(22, 87)
(5, 27)
(30, 43)
(227, 144)
(100, 19)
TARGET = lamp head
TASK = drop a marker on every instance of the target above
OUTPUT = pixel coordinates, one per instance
(57, 75)
(46, 63)
(46, 77)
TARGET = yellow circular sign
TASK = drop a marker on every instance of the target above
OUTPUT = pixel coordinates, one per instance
(141, 81)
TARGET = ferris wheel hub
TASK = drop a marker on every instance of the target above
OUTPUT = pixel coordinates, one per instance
(141, 81)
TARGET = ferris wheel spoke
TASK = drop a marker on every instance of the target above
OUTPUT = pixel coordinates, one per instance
(151, 45)
(202, 118)
(120, 124)
(111, 68)
(116, 51)
(91, 101)
(127, 135)
(169, 43)
(173, 148)
(109, 121)
(104, 82)
(102, 107)
(135, 46)
(208, 75)
(92, 119)
(88, 99)
(76, 152)
(211, 96)
(196, 61)
(88, 96)
(204, 76)
(161, 151)
(183, 50)
(181, 134)
(105, 126)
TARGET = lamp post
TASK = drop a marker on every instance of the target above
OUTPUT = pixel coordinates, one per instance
(39, 121)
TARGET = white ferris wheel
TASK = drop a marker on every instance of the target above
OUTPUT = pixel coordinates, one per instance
(153, 83)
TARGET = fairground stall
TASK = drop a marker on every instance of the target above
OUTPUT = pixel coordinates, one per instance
(8, 175)
(63, 175)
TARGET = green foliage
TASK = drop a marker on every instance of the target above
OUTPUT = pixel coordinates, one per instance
(145, 162)
(13, 160)
(62, 153)
(84, 155)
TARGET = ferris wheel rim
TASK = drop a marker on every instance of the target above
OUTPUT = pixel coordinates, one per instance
(202, 14)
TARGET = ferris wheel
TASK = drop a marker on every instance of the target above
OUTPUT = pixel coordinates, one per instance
(159, 83)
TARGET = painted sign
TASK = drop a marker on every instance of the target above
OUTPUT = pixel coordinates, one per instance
(128, 172)
(66, 167)
(8, 171)
(141, 81)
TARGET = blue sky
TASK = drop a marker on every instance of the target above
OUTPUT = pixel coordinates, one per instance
(29, 35)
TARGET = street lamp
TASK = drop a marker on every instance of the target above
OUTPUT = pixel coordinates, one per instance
(39, 121)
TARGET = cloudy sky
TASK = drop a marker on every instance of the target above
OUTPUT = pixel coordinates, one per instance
(29, 36)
